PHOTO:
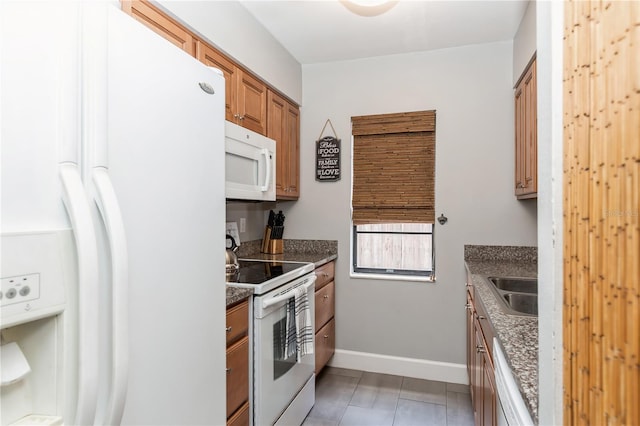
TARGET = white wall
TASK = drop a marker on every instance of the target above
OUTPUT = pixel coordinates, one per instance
(524, 42)
(471, 90)
(230, 27)
(550, 234)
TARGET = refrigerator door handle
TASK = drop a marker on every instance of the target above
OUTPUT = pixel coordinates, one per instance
(77, 205)
(267, 178)
(109, 208)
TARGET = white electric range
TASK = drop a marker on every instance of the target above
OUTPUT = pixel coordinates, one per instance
(283, 382)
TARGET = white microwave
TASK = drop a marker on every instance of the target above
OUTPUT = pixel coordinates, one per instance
(250, 165)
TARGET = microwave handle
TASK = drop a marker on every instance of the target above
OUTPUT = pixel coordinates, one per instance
(267, 178)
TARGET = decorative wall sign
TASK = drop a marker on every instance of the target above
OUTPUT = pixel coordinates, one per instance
(328, 156)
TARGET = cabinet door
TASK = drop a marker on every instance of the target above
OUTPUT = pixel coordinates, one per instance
(531, 132)
(489, 401)
(150, 16)
(237, 322)
(276, 124)
(283, 125)
(240, 417)
(478, 372)
(293, 169)
(251, 102)
(237, 375)
(526, 176)
(325, 344)
(325, 304)
(213, 58)
(471, 347)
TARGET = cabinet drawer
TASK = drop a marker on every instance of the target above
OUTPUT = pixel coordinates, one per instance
(237, 375)
(325, 344)
(237, 321)
(325, 274)
(240, 417)
(325, 304)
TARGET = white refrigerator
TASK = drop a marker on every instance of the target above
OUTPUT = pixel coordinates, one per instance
(115, 137)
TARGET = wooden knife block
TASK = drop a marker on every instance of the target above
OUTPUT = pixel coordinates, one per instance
(275, 247)
(270, 246)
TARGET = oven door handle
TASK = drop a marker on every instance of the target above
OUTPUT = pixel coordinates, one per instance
(289, 294)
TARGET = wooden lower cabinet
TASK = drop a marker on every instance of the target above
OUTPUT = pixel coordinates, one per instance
(325, 344)
(325, 324)
(241, 417)
(237, 375)
(480, 364)
(238, 412)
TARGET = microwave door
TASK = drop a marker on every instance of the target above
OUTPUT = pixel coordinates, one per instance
(250, 161)
(249, 172)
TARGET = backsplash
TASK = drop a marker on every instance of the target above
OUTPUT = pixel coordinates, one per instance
(249, 248)
(508, 253)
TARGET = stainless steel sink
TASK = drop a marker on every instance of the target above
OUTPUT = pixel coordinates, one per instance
(524, 303)
(516, 295)
(521, 285)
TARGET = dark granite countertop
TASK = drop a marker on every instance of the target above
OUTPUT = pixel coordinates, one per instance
(517, 334)
(317, 252)
(236, 294)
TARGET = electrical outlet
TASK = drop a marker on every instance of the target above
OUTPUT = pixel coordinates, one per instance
(243, 224)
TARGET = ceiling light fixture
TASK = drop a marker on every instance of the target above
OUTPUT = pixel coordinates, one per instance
(368, 7)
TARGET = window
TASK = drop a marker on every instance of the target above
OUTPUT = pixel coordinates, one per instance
(393, 193)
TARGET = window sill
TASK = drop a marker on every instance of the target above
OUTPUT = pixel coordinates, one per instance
(388, 277)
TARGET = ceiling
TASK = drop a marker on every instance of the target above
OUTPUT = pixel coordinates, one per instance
(327, 31)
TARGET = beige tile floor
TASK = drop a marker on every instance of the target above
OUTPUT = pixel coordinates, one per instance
(350, 397)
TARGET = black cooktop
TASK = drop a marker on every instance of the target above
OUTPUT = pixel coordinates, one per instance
(258, 272)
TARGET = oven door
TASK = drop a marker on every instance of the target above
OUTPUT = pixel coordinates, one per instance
(278, 377)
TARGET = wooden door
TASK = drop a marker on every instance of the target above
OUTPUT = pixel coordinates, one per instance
(478, 373)
(283, 126)
(213, 58)
(526, 170)
(530, 144)
(293, 138)
(471, 348)
(276, 119)
(489, 400)
(601, 190)
(150, 16)
(251, 102)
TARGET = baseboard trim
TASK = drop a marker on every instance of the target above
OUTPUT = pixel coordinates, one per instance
(400, 366)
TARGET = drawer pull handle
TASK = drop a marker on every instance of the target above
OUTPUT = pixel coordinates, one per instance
(228, 370)
(229, 329)
(326, 336)
(326, 296)
(481, 317)
(480, 349)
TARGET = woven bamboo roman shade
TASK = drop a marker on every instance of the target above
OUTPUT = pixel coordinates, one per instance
(394, 158)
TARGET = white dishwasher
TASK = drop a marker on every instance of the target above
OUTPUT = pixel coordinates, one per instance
(511, 408)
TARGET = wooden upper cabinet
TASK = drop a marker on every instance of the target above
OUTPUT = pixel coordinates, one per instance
(159, 22)
(251, 102)
(283, 125)
(526, 135)
(245, 97)
(213, 58)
